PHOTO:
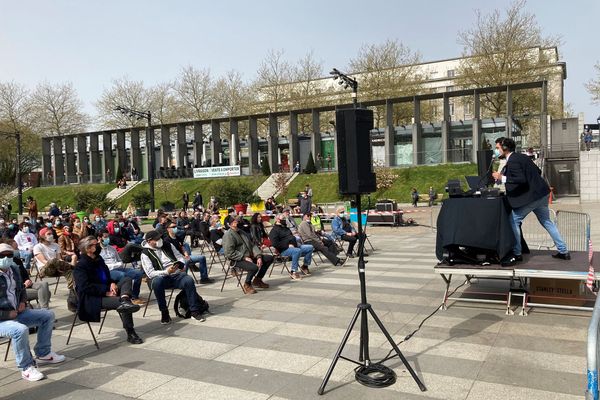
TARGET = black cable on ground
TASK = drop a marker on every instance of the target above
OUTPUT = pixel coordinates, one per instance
(375, 375)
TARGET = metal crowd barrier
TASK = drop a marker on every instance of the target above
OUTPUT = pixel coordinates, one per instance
(574, 228)
(535, 234)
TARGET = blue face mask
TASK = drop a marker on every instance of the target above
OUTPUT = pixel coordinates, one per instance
(497, 153)
(117, 230)
(175, 230)
(11, 226)
(49, 224)
(5, 263)
(106, 241)
(16, 253)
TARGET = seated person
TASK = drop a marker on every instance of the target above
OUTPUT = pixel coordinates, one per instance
(291, 224)
(183, 248)
(258, 233)
(133, 230)
(115, 236)
(67, 246)
(238, 248)
(243, 223)
(286, 244)
(48, 258)
(35, 291)
(216, 233)
(343, 230)
(230, 217)
(16, 319)
(26, 240)
(164, 266)
(117, 268)
(309, 236)
(196, 226)
(97, 291)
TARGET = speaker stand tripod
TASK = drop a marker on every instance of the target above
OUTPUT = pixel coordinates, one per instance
(363, 310)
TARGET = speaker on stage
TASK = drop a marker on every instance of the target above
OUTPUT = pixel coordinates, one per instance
(484, 161)
(355, 160)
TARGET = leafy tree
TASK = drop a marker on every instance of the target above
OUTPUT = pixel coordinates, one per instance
(310, 165)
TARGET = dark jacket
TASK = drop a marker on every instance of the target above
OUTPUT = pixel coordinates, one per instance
(524, 183)
(215, 235)
(176, 242)
(258, 233)
(237, 245)
(281, 238)
(5, 305)
(90, 288)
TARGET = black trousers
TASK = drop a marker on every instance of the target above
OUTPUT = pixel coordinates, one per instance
(112, 303)
(351, 242)
(252, 269)
(327, 252)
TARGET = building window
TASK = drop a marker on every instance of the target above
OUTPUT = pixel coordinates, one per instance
(451, 106)
(468, 108)
(450, 73)
(449, 88)
(564, 126)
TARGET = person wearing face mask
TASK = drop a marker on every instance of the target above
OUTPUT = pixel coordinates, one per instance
(116, 239)
(48, 258)
(216, 233)
(135, 233)
(96, 290)
(338, 232)
(287, 245)
(39, 290)
(99, 223)
(25, 240)
(309, 236)
(11, 230)
(67, 246)
(164, 266)
(191, 260)
(16, 319)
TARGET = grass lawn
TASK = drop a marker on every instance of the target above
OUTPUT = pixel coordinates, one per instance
(325, 185)
(61, 195)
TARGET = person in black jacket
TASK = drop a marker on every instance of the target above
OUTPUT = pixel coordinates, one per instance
(258, 233)
(285, 242)
(97, 291)
(526, 191)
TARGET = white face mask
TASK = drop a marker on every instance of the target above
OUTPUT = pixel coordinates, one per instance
(25, 229)
(5, 263)
(49, 238)
(159, 243)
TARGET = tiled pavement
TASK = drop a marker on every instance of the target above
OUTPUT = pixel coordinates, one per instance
(278, 343)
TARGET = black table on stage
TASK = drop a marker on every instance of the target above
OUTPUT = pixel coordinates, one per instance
(484, 223)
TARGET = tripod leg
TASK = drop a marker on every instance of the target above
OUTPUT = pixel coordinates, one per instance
(397, 350)
(339, 352)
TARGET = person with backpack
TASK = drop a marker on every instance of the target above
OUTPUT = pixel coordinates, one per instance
(164, 266)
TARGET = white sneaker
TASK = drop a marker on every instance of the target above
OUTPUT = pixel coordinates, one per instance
(32, 374)
(51, 358)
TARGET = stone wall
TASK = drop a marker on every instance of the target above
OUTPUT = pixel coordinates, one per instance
(589, 162)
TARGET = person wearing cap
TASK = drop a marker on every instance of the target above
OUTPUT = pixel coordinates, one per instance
(286, 244)
(190, 259)
(164, 266)
(240, 250)
(309, 236)
(16, 319)
(96, 291)
(47, 254)
(25, 240)
(340, 228)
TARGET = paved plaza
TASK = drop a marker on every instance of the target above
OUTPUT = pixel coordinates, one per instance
(277, 344)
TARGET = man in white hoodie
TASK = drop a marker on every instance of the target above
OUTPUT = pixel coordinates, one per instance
(164, 266)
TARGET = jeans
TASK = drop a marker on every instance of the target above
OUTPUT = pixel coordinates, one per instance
(26, 256)
(540, 209)
(295, 253)
(178, 281)
(135, 274)
(18, 330)
(201, 261)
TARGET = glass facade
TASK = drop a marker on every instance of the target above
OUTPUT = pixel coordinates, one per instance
(431, 144)
(403, 147)
(460, 142)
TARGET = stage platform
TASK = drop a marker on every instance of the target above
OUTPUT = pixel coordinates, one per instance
(537, 264)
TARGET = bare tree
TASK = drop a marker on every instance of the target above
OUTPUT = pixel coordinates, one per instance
(15, 105)
(57, 110)
(273, 76)
(307, 91)
(163, 104)
(124, 93)
(503, 48)
(593, 85)
(195, 97)
(231, 95)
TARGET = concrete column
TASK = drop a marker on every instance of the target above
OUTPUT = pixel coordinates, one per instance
(273, 143)
(417, 131)
(121, 154)
(96, 172)
(315, 139)
(198, 144)
(476, 126)
(234, 142)
(545, 137)
(83, 164)
(445, 129)
(59, 161)
(108, 158)
(181, 146)
(389, 133)
(509, 112)
(136, 152)
(294, 143)
(71, 175)
(253, 145)
(47, 160)
(165, 147)
(215, 148)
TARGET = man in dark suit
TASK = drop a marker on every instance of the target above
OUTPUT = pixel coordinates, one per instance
(526, 191)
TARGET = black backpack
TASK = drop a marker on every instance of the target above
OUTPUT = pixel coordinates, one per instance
(182, 308)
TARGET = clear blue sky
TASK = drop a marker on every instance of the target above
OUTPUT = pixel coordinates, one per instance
(90, 43)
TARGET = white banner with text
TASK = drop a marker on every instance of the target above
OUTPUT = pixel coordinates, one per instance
(217, 172)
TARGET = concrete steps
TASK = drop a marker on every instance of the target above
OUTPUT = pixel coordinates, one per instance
(268, 189)
(117, 193)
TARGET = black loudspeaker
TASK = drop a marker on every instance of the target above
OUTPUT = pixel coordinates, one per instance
(484, 159)
(355, 160)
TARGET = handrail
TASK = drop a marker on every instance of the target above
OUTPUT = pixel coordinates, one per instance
(592, 353)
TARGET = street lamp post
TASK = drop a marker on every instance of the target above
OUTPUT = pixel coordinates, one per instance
(347, 81)
(17, 136)
(149, 145)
